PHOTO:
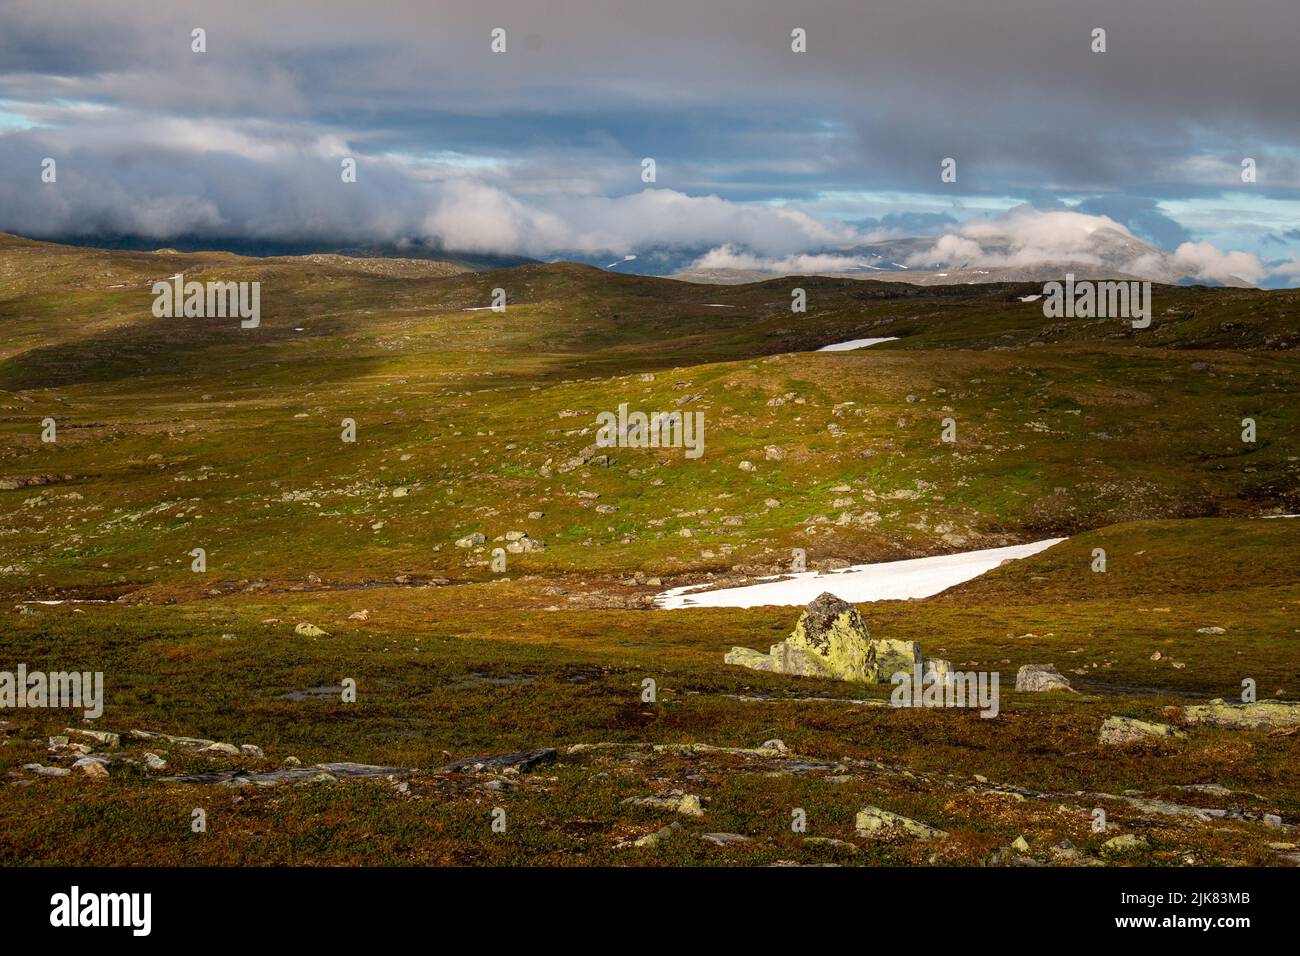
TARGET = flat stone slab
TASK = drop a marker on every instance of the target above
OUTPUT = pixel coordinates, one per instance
(723, 839)
(521, 762)
(320, 773)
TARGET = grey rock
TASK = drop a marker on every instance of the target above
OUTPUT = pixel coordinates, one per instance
(521, 762)
(1041, 677)
(1129, 730)
(724, 839)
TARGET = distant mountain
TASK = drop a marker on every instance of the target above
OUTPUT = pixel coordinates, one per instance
(1110, 254)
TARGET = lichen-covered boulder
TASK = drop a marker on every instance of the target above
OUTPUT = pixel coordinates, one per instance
(1124, 843)
(1266, 714)
(788, 659)
(1130, 730)
(874, 823)
(831, 640)
(748, 657)
(833, 632)
(1041, 677)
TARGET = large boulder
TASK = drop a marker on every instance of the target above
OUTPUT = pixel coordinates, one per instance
(1041, 677)
(831, 640)
(832, 633)
(787, 659)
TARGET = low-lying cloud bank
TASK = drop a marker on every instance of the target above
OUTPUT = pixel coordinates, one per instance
(1027, 238)
(223, 178)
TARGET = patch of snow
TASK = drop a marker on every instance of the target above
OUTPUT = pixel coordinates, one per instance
(852, 344)
(886, 581)
(1031, 298)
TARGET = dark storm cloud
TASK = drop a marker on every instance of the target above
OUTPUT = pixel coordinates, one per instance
(542, 146)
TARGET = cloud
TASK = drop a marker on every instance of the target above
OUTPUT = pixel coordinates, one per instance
(538, 151)
(730, 257)
(1142, 215)
(1027, 236)
(1201, 260)
(128, 173)
(1024, 236)
(1288, 269)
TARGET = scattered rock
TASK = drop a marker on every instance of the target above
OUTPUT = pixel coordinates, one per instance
(658, 837)
(92, 767)
(189, 743)
(1130, 730)
(874, 822)
(1267, 714)
(520, 762)
(321, 773)
(1124, 843)
(1041, 677)
(831, 842)
(305, 629)
(684, 803)
(723, 839)
(471, 540)
(110, 740)
(46, 771)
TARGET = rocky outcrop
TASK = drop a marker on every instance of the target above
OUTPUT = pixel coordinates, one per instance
(1263, 714)
(831, 640)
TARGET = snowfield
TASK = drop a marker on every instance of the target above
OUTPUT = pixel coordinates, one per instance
(886, 581)
(855, 344)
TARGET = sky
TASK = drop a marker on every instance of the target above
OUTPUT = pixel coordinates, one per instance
(763, 156)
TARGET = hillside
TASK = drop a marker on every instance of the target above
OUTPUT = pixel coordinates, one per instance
(328, 559)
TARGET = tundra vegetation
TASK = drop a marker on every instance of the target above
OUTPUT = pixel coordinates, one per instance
(345, 675)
